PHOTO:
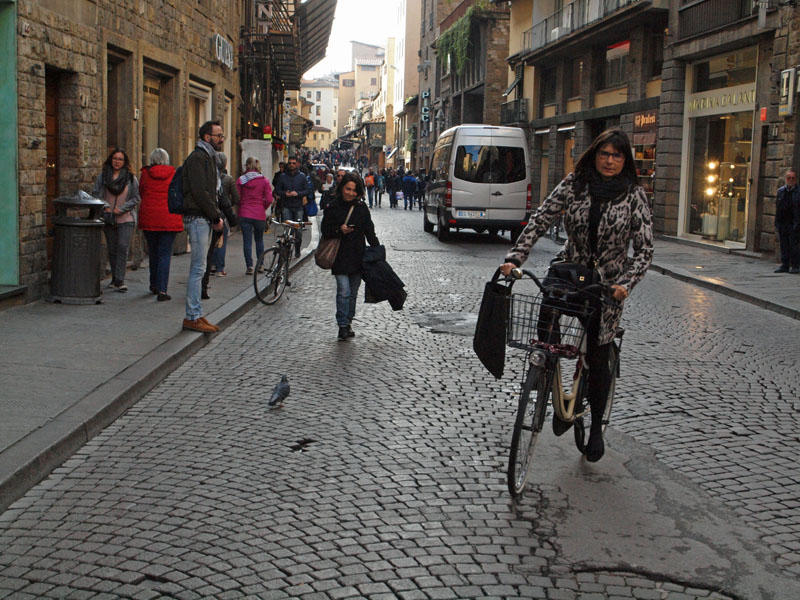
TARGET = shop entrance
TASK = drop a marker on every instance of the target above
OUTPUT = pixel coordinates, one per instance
(719, 186)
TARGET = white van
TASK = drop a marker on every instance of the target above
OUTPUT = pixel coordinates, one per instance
(479, 179)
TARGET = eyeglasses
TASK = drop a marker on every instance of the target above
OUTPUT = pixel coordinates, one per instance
(218, 135)
(616, 156)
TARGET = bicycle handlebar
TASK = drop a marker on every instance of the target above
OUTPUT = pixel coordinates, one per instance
(293, 224)
(602, 291)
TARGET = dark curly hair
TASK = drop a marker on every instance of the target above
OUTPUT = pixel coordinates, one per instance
(348, 177)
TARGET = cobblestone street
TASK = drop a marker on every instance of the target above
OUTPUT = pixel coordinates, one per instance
(383, 475)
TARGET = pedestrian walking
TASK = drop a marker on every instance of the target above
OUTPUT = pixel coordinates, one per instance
(201, 185)
(255, 197)
(606, 210)
(787, 224)
(380, 185)
(293, 191)
(158, 225)
(369, 182)
(117, 186)
(409, 186)
(349, 219)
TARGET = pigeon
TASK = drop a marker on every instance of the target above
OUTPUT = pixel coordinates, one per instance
(280, 391)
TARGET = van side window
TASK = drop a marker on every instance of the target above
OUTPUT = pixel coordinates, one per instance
(440, 161)
(473, 163)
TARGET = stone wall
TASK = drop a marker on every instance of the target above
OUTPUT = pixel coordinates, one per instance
(64, 45)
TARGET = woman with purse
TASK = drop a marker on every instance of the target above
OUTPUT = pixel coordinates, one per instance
(348, 219)
(158, 225)
(120, 190)
(604, 211)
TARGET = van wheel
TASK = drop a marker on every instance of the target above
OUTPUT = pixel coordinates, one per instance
(442, 231)
(427, 226)
(515, 233)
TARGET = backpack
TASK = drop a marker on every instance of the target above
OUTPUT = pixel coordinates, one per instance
(175, 193)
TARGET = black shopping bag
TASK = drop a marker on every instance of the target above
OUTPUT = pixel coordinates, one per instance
(489, 341)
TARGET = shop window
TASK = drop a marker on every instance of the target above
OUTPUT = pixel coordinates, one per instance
(719, 180)
(726, 70)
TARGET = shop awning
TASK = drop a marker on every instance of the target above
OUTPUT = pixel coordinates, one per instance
(515, 83)
(315, 19)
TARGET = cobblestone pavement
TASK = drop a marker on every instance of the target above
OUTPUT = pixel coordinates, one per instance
(383, 474)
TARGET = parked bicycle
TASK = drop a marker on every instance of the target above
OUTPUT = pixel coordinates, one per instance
(549, 327)
(271, 275)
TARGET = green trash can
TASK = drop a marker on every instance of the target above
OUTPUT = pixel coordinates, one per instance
(75, 277)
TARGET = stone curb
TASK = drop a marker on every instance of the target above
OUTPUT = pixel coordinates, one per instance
(36, 455)
(683, 275)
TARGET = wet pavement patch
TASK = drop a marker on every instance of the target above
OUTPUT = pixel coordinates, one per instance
(301, 445)
(457, 323)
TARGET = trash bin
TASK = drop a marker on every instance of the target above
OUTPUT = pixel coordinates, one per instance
(75, 277)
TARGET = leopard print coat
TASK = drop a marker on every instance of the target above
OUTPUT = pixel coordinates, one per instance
(625, 221)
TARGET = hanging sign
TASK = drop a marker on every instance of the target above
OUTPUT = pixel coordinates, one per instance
(786, 101)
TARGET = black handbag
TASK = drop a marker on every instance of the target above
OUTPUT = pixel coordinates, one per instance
(489, 341)
(564, 280)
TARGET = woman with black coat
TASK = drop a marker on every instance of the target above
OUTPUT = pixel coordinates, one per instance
(348, 218)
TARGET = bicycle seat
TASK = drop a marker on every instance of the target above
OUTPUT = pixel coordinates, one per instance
(619, 333)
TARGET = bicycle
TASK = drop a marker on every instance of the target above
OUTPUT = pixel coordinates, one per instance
(548, 327)
(271, 275)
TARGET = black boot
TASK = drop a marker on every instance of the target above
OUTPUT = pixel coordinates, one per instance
(350, 332)
(595, 447)
(343, 333)
(560, 427)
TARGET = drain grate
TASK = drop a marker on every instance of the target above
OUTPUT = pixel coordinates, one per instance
(301, 445)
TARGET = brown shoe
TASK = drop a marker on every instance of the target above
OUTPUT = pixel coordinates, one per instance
(204, 320)
(199, 325)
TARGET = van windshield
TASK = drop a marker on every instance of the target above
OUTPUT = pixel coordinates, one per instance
(490, 164)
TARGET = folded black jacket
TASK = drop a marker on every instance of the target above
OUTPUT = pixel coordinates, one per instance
(382, 283)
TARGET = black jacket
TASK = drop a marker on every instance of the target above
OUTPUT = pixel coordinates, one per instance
(382, 283)
(351, 250)
(200, 186)
(787, 209)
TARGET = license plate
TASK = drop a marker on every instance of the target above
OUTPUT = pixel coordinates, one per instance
(471, 214)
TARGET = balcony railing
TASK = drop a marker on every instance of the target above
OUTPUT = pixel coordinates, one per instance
(572, 17)
(705, 15)
(513, 112)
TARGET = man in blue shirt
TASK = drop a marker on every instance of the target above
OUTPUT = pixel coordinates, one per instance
(293, 191)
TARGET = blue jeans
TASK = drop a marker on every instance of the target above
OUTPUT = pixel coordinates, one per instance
(346, 296)
(218, 255)
(198, 229)
(294, 214)
(159, 251)
(370, 194)
(252, 228)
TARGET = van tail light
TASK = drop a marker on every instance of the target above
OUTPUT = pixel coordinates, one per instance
(448, 195)
(528, 199)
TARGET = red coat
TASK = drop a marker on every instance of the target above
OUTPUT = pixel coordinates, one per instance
(153, 212)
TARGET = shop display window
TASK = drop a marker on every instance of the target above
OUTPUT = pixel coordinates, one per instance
(721, 159)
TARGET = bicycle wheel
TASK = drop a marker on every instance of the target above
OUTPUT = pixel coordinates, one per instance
(270, 276)
(584, 423)
(530, 418)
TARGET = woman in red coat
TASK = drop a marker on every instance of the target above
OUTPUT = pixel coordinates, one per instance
(158, 225)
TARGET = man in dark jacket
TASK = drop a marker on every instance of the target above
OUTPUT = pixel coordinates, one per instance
(293, 190)
(787, 224)
(201, 185)
(409, 190)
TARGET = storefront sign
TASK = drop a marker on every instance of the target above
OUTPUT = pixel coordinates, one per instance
(223, 50)
(786, 102)
(376, 134)
(726, 100)
(645, 121)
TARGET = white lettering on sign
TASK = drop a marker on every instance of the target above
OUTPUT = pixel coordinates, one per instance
(223, 50)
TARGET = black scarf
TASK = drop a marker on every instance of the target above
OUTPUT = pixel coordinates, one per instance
(606, 189)
(116, 186)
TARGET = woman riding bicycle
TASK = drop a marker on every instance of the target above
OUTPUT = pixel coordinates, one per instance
(604, 210)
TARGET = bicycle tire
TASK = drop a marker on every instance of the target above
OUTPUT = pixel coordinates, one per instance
(270, 276)
(584, 423)
(527, 427)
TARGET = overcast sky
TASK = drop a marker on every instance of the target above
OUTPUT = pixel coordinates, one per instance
(368, 21)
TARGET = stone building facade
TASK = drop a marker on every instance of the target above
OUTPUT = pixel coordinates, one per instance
(99, 74)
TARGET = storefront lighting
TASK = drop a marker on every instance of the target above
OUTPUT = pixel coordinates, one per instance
(711, 178)
(733, 167)
(710, 191)
(731, 179)
(712, 165)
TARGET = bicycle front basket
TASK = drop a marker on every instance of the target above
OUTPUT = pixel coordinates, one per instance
(542, 320)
